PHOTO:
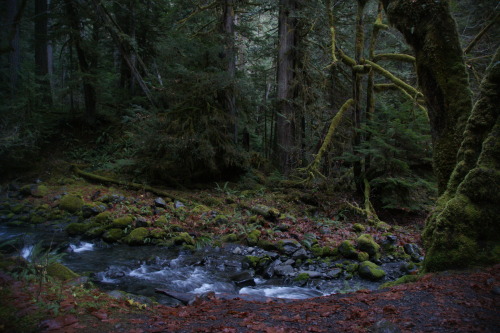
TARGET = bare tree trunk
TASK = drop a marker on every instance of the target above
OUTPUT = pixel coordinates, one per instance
(14, 46)
(89, 91)
(285, 124)
(41, 50)
(227, 28)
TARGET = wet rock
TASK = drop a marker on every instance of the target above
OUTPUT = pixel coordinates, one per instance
(300, 254)
(312, 274)
(384, 326)
(159, 202)
(244, 279)
(141, 222)
(334, 273)
(90, 210)
(414, 251)
(289, 246)
(283, 270)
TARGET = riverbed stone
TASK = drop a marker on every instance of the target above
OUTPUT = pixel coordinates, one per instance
(74, 229)
(113, 235)
(300, 254)
(137, 236)
(414, 251)
(289, 246)
(347, 250)
(283, 270)
(370, 271)
(92, 210)
(71, 203)
(244, 279)
(366, 244)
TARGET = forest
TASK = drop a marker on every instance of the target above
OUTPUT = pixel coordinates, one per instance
(249, 166)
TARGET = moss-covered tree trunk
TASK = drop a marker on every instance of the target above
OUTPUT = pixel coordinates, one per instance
(463, 230)
(429, 28)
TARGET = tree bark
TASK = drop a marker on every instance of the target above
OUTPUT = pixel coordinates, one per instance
(463, 230)
(14, 46)
(285, 123)
(41, 51)
(227, 28)
(430, 29)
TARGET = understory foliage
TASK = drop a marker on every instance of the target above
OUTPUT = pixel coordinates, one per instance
(398, 157)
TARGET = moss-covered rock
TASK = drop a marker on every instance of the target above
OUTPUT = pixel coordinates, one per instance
(370, 271)
(347, 250)
(358, 227)
(113, 235)
(302, 277)
(37, 219)
(253, 237)
(158, 233)
(366, 244)
(103, 218)
(71, 203)
(183, 238)
(60, 272)
(383, 226)
(363, 256)
(40, 191)
(137, 236)
(162, 221)
(123, 222)
(74, 229)
(230, 238)
(401, 280)
(95, 231)
(323, 251)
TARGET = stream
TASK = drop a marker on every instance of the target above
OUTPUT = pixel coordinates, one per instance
(140, 270)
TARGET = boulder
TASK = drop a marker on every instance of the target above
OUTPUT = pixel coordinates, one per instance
(289, 246)
(370, 271)
(243, 279)
(366, 244)
(160, 202)
(283, 270)
(137, 236)
(414, 252)
(71, 203)
(347, 249)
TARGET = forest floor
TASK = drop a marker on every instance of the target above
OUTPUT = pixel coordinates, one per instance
(459, 301)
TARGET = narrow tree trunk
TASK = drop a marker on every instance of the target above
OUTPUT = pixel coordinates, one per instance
(228, 22)
(14, 46)
(89, 91)
(285, 124)
(430, 29)
(41, 51)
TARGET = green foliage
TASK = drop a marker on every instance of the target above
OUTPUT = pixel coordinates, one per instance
(397, 148)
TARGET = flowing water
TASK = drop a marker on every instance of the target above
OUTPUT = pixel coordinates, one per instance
(140, 270)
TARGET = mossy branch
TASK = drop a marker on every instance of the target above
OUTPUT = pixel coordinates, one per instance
(331, 21)
(135, 186)
(391, 86)
(483, 31)
(312, 170)
(409, 89)
(394, 56)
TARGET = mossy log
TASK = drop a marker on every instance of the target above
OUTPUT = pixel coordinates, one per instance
(135, 186)
(394, 56)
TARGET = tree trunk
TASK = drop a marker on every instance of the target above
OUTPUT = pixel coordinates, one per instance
(463, 230)
(14, 46)
(227, 28)
(89, 91)
(430, 29)
(285, 124)
(41, 51)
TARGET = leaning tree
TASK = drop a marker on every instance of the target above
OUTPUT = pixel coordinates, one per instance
(464, 228)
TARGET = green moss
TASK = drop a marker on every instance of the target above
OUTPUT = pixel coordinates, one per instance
(200, 209)
(161, 221)
(113, 235)
(103, 218)
(252, 261)
(230, 238)
(40, 191)
(363, 256)
(382, 226)
(302, 277)
(158, 233)
(95, 231)
(18, 208)
(123, 222)
(74, 229)
(137, 236)
(401, 280)
(323, 251)
(60, 272)
(37, 219)
(253, 237)
(71, 203)
(347, 250)
(371, 271)
(267, 245)
(366, 244)
(183, 238)
(358, 227)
